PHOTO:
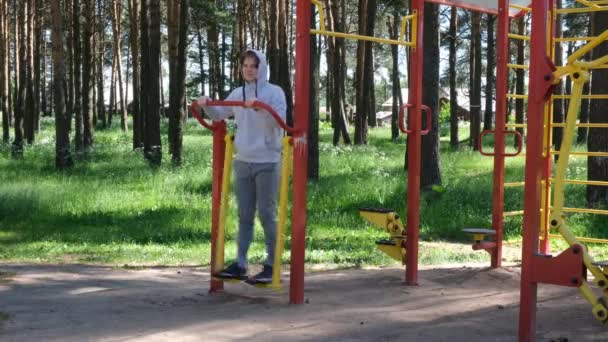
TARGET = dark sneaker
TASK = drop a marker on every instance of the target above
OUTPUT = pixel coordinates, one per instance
(264, 277)
(234, 271)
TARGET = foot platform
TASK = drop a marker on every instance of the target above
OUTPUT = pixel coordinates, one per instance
(389, 221)
(479, 235)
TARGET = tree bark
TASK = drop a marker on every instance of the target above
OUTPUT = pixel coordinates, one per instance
(177, 15)
(117, 31)
(17, 148)
(63, 157)
(558, 105)
(78, 117)
(597, 167)
(430, 173)
(488, 117)
(313, 119)
(36, 61)
(362, 93)
(4, 71)
(519, 75)
(396, 84)
(105, 118)
(454, 141)
(475, 105)
(29, 119)
(88, 41)
(150, 73)
(135, 38)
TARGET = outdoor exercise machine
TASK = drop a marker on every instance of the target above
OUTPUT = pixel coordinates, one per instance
(221, 180)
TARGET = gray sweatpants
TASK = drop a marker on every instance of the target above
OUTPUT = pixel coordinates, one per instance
(256, 185)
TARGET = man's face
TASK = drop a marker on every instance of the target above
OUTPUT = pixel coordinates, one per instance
(249, 69)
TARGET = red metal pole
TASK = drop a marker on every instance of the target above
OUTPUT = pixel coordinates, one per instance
(414, 147)
(502, 73)
(300, 156)
(534, 168)
(219, 149)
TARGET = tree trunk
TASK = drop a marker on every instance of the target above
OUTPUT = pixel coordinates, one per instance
(368, 70)
(362, 93)
(79, 123)
(475, 105)
(597, 167)
(583, 132)
(88, 41)
(37, 56)
(29, 121)
(106, 120)
(17, 148)
(313, 119)
(558, 105)
(430, 172)
(201, 57)
(488, 117)
(177, 15)
(396, 84)
(4, 70)
(117, 11)
(63, 157)
(519, 82)
(454, 141)
(135, 36)
(284, 80)
(338, 99)
(150, 73)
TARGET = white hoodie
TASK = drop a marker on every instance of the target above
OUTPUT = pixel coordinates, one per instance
(258, 136)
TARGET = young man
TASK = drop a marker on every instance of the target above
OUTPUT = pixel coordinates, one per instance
(257, 162)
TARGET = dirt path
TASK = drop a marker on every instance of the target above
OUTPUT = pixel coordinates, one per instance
(91, 303)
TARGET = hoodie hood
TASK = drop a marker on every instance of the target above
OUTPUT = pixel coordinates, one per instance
(262, 67)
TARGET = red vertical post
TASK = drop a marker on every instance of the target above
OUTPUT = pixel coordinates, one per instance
(534, 168)
(414, 147)
(219, 149)
(300, 153)
(502, 73)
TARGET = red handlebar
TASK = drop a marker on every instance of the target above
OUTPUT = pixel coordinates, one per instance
(517, 136)
(429, 119)
(197, 115)
(256, 104)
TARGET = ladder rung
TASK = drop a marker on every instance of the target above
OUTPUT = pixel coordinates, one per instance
(517, 96)
(588, 125)
(580, 10)
(518, 66)
(360, 37)
(581, 182)
(588, 154)
(584, 211)
(514, 184)
(584, 97)
(580, 238)
(518, 36)
(510, 125)
(521, 8)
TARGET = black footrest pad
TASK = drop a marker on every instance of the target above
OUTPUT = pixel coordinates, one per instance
(479, 231)
(386, 242)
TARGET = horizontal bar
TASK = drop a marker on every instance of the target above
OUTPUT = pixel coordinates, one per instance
(512, 213)
(588, 154)
(360, 37)
(510, 125)
(585, 211)
(514, 184)
(588, 125)
(574, 39)
(517, 96)
(580, 10)
(518, 36)
(582, 182)
(580, 238)
(521, 8)
(584, 97)
(518, 66)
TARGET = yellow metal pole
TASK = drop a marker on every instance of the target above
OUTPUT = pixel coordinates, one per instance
(286, 166)
(321, 13)
(225, 202)
(587, 47)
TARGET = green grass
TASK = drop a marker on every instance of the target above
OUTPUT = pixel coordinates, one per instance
(112, 208)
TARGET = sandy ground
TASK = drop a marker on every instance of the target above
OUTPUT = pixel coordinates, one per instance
(459, 303)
